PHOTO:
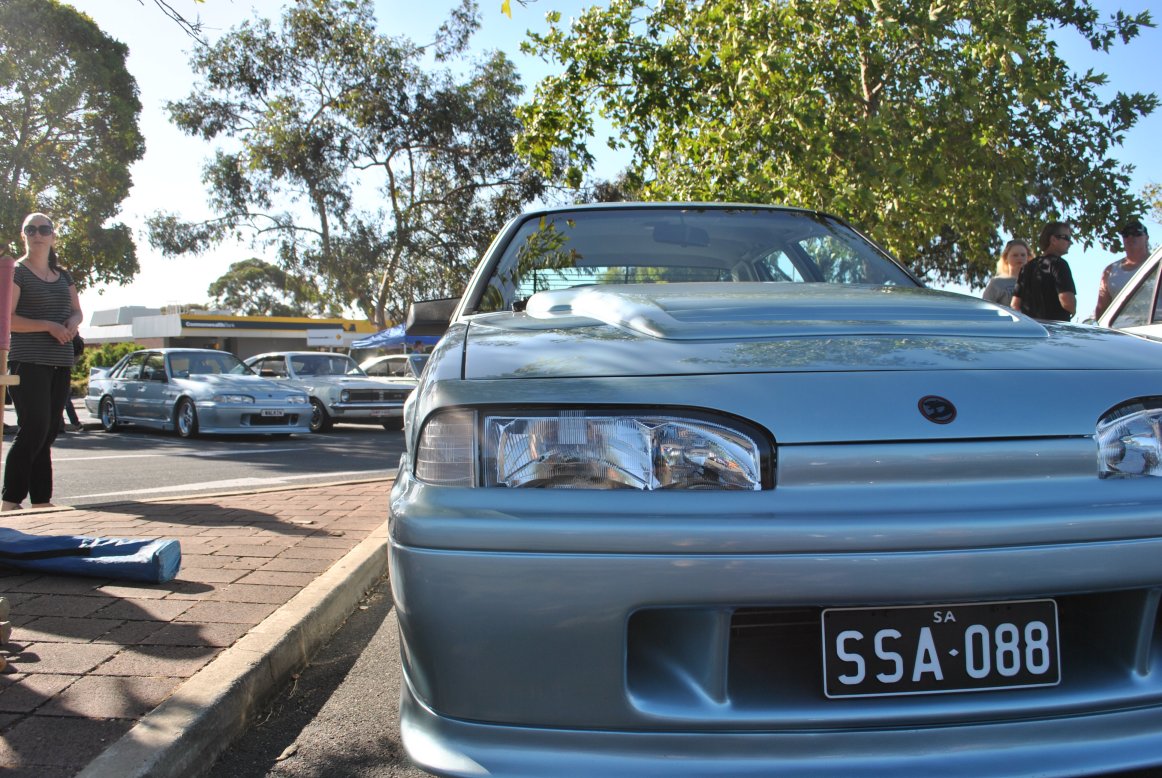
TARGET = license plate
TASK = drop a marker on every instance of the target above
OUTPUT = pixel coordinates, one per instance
(378, 414)
(937, 649)
(273, 412)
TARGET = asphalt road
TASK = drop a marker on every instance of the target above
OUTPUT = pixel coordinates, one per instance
(340, 715)
(95, 467)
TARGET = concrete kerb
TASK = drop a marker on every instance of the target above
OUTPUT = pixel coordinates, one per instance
(185, 734)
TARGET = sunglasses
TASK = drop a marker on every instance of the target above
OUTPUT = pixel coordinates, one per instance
(43, 229)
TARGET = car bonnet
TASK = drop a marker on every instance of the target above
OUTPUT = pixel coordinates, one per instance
(226, 382)
(691, 329)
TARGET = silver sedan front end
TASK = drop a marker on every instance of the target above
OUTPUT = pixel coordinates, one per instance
(682, 633)
(369, 402)
(242, 415)
(718, 490)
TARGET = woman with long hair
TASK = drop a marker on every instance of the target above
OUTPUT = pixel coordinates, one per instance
(46, 313)
(1013, 257)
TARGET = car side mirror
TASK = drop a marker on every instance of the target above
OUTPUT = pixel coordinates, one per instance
(431, 317)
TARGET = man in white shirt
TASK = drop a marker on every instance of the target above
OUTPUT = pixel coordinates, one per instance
(1136, 242)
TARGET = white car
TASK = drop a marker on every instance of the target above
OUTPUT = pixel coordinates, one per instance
(1137, 309)
(338, 389)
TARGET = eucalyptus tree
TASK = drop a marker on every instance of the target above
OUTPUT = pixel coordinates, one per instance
(934, 126)
(191, 27)
(68, 134)
(253, 287)
(364, 162)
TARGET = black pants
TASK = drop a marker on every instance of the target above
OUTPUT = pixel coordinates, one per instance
(71, 412)
(39, 401)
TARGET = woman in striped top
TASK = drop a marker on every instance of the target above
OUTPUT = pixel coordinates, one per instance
(45, 315)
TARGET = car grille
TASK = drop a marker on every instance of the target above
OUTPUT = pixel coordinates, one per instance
(764, 667)
(377, 395)
(257, 420)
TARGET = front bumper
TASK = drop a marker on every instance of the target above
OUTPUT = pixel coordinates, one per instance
(365, 411)
(220, 419)
(578, 633)
(1057, 747)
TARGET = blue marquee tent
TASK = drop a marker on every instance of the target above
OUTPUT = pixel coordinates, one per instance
(394, 336)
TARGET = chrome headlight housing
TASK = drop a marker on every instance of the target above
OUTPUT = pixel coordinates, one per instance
(344, 396)
(589, 449)
(232, 399)
(1129, 440)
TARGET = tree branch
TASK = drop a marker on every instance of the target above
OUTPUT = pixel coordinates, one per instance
(191, 28)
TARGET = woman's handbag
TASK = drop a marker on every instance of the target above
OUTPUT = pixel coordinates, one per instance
(78, 346)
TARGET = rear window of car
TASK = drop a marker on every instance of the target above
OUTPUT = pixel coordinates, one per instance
(682, 245)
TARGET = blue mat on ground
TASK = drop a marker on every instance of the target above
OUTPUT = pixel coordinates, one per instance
(152, 561)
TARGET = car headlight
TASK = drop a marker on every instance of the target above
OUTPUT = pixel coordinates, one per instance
(232, 399)
(344, 396)
(588, 450)
(1129, 441)
(297, 399)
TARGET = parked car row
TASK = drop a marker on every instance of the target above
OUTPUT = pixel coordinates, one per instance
(193, 391)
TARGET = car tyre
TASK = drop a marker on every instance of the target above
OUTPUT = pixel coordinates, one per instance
(320, 419)
(186, 418)
(108, 415)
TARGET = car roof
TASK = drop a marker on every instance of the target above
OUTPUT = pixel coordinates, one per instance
(179, 350)
(299, 353)
(640, 205)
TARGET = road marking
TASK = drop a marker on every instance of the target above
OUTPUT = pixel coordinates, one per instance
(231, 453)
(235, 483)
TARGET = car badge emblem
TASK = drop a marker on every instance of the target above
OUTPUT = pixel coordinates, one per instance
(937, 410)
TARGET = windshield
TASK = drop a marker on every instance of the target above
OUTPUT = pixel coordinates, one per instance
(183, 364)
(417, 362)
(659, 245)
(324, 364)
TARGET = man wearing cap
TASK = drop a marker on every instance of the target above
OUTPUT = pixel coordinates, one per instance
(1136, 242)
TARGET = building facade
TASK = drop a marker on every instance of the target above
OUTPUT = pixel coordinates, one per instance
(243, 336)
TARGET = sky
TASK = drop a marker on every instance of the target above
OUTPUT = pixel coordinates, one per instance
(168, 178)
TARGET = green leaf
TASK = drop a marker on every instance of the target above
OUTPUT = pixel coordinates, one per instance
(937, 127)
(370, 174)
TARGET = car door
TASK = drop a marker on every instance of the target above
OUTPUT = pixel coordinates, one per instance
(126, 387)
(152, 397)
(1138, 308)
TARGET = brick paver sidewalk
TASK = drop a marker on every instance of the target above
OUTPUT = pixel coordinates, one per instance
(89, 657)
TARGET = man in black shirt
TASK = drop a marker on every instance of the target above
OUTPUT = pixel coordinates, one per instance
(1045, 288)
